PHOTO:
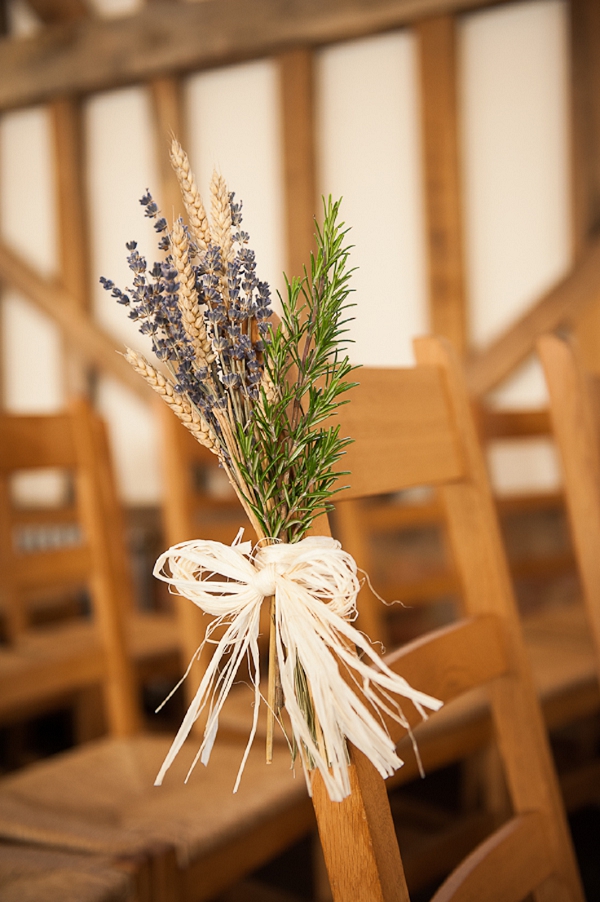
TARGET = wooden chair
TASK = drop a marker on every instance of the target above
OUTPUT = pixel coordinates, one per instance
(75, 546)
(414, 427)
(183, 841)
(41, 664)
(101, 797)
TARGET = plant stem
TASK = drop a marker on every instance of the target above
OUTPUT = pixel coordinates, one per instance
(272, 680)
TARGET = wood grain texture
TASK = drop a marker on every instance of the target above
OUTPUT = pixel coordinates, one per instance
(441, 168)
(298, 134)
(559, 306)
(168, 38)
(358, 839)
(89, 339)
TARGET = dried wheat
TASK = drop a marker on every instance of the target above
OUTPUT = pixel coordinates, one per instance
(181, 407)
(221, 216)
(193, 320)
(198, 220)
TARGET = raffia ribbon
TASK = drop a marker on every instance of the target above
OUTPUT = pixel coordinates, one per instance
(315, 585)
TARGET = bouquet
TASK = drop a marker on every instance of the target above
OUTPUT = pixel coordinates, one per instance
(261, 395)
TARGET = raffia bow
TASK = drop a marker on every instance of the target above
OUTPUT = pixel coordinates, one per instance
(315, 586)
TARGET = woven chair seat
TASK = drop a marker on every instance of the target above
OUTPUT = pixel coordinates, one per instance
(32, 875)
(101, 798)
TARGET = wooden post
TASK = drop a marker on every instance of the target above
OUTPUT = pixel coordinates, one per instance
(166, 100)
(73, 233)
(439, 104)
(297, 117)
(585, 147)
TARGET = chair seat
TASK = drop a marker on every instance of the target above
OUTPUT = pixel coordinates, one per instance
(101, 798)
(31, 874)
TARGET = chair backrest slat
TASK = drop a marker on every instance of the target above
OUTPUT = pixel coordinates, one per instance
(32, 441)
(402, 432)
(575, 412)
(520, 858)
(450, 661)
(63, 566)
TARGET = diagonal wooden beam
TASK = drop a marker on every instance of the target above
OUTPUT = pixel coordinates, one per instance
(168, 38)
(558, 307)
(87, 338)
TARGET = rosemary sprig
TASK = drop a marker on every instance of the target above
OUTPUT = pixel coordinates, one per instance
(288, 456)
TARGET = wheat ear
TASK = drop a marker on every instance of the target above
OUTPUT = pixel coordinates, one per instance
(221, 215)
(181, 407)
(191, 196)
(193, 320)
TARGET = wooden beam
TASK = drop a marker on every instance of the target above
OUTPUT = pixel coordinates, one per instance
(585, 121)
(168, 119)
(73, 238)
(51, 11)
(585, 104)
(298, 128)
(98, 348)
(558, 307)
(70, 189)
(443, 214)
(166, 38)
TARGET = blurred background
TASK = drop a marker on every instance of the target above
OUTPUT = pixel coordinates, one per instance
(515, 176)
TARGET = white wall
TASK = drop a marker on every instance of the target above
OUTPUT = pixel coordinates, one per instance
(369, 154)
(514, 127)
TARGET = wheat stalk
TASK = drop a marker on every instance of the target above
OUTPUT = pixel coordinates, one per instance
(221, 215)
(193, 320)
(191, 196)
(181, 407)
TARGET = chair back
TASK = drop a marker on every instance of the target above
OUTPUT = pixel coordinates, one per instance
(71, 544)
(415, 427)
(575, 412)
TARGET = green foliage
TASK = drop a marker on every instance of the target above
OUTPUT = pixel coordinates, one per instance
(288, 453)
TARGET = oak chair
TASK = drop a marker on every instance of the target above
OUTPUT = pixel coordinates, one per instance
(75, 545)
(100, 798)
(40, 664)
(182, 841)
(414, 427)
